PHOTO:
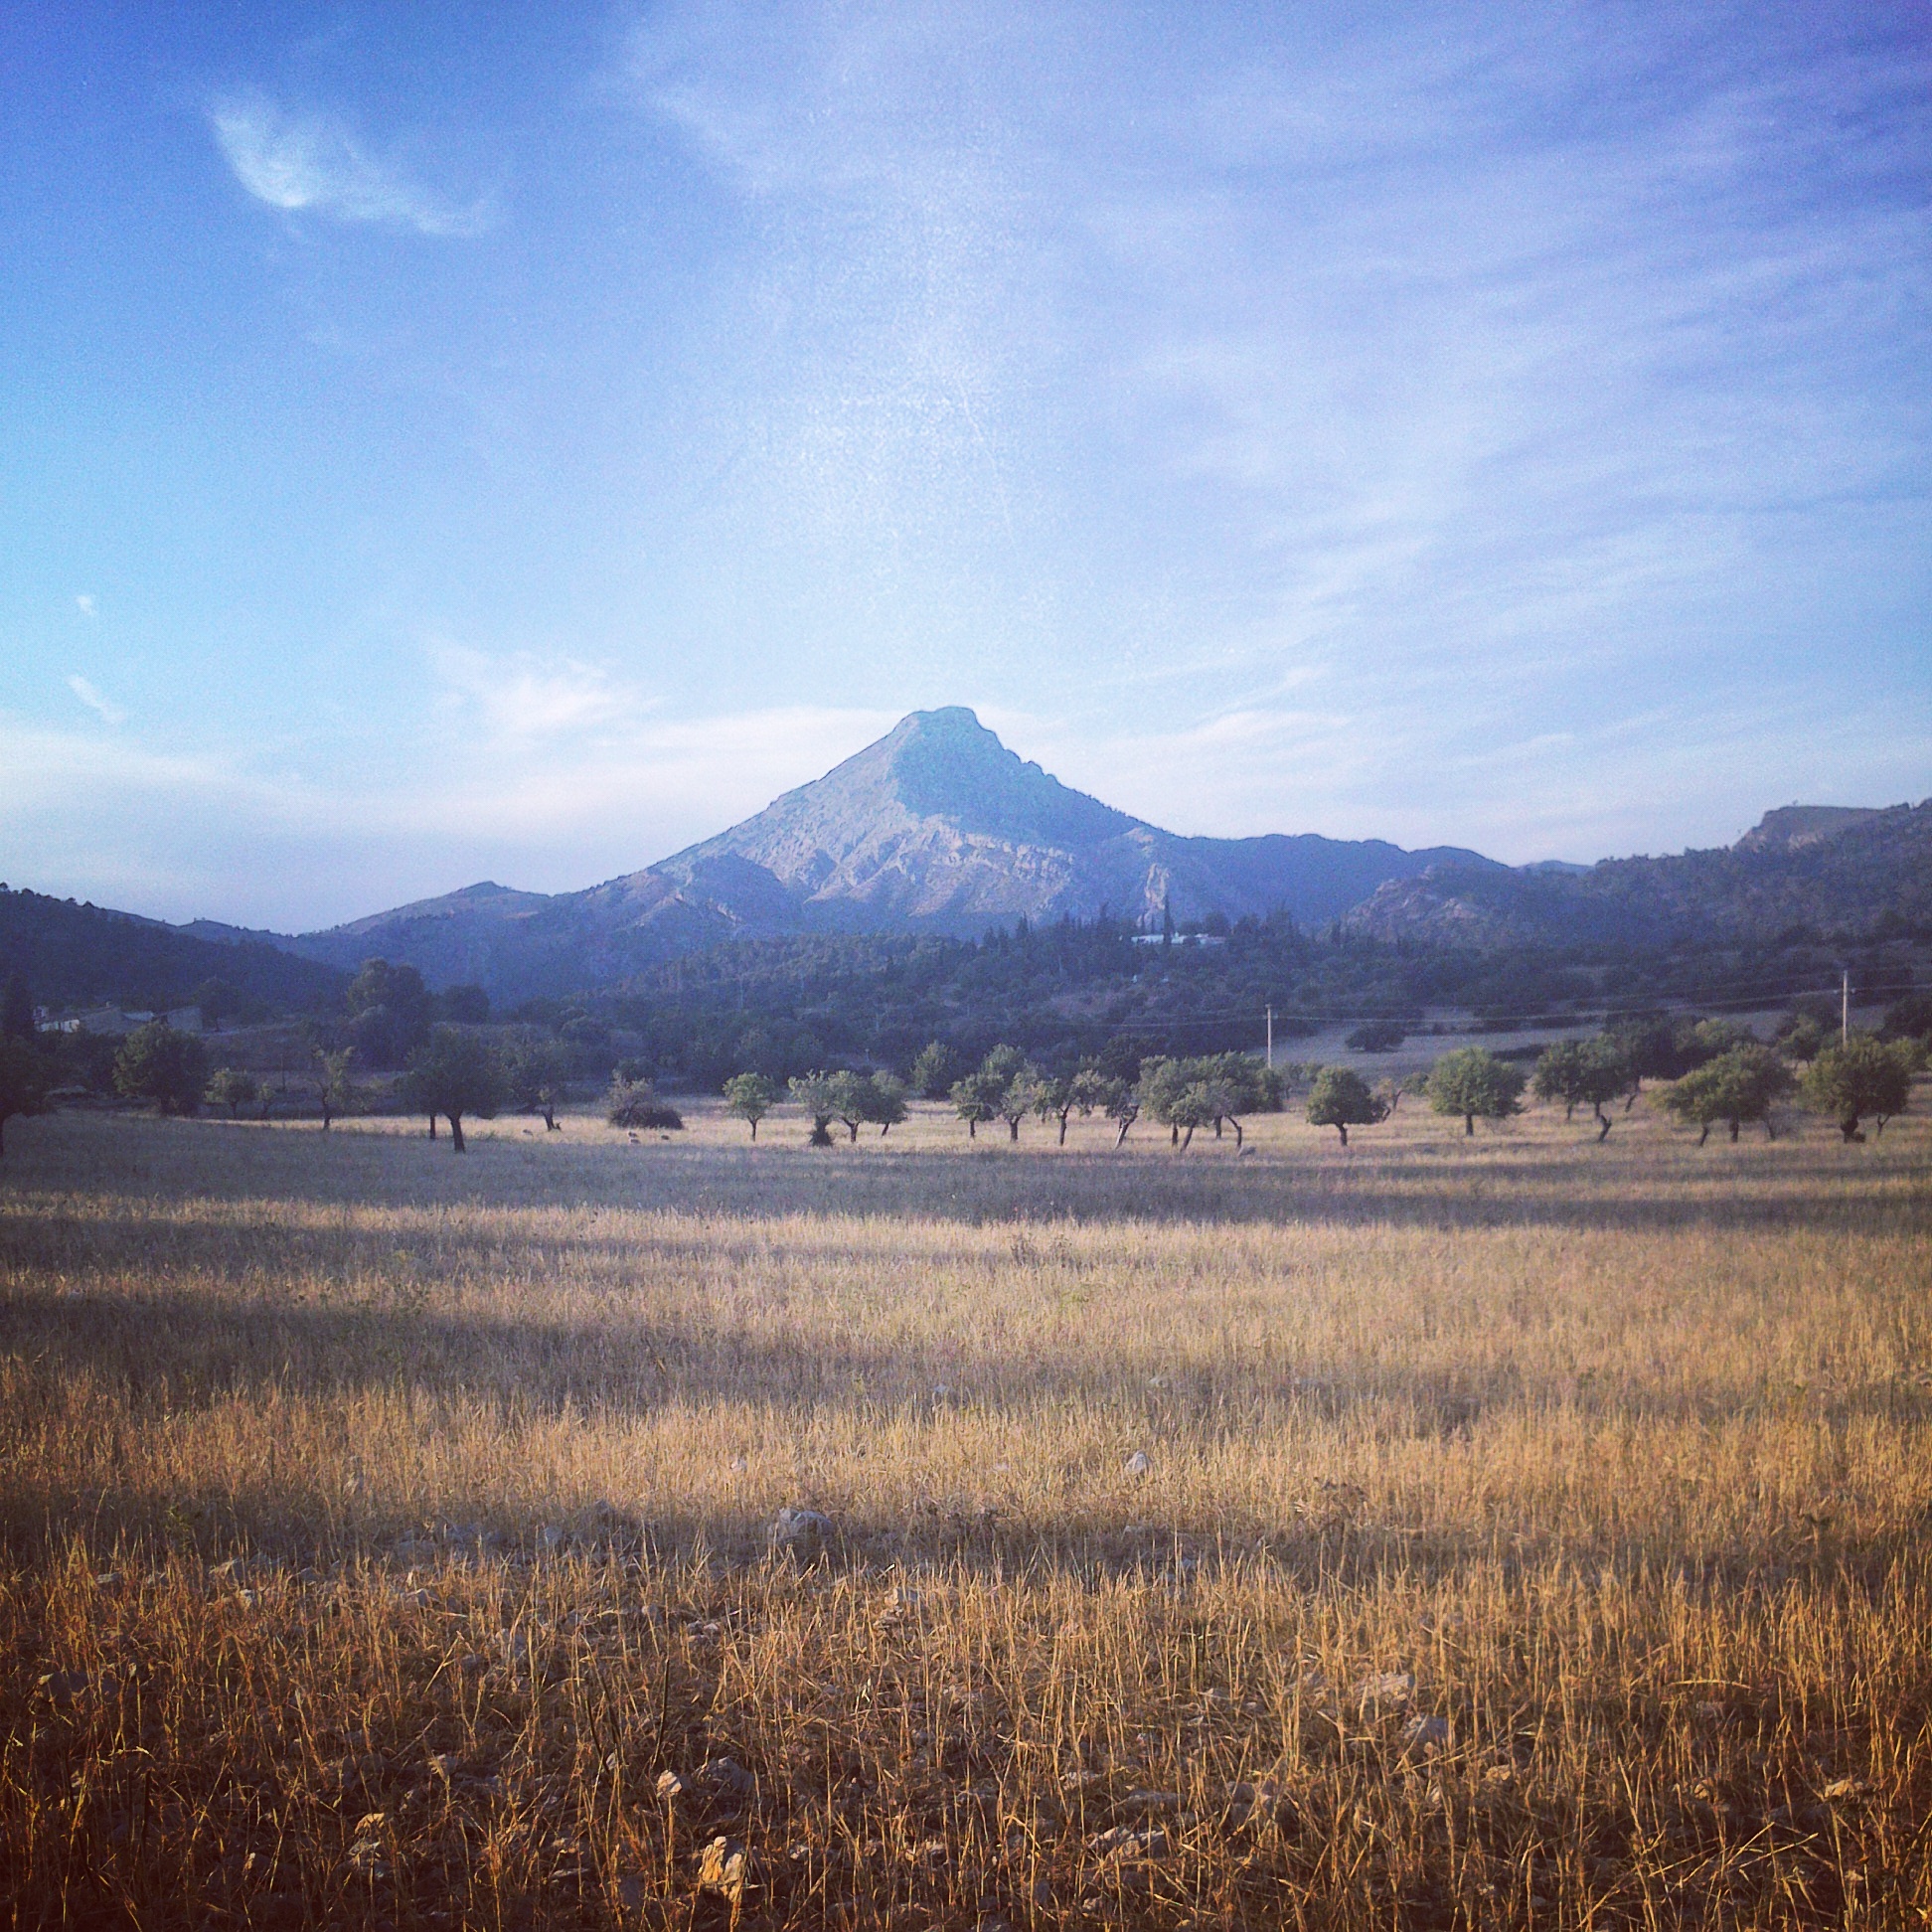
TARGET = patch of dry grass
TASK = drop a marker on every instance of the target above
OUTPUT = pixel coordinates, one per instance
(1531, 1532)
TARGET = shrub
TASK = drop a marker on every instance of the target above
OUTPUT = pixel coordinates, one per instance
(637, 1103)
(1375, 1037)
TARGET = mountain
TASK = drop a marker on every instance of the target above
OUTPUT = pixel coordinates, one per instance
(937, 827)
(1827, 868)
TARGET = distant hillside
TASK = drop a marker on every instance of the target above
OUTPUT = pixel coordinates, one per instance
(937, 827)
(1829, 869)
(85, 955)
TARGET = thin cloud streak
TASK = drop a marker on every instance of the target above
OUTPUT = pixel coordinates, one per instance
(83, 690)
(297, 162)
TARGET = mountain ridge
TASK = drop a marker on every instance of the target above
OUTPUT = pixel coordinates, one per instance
(935, 827)
(940, 828)
(1822, 868)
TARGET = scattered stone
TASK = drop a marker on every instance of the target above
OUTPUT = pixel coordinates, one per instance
(724, 1866)
(1426, 1734)
(366, 1859)
(1388, 1694)
(108, 1582)
(1139, 1465)
(942, 1392)
(473, 1663)
(897, 1611)
(803, 1534)
(1839, 1788)
(444, 1766)
(1124, 1844)
(231, 1571)
(412, 1599)
(66, 1688)
(248, 1599)
(1146, 1804)
(672, 1784)
(513, 1646)
(1250, 1803)
(724, 1776)
(550, 1538)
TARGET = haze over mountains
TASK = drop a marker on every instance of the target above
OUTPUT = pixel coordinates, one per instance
(940, 828)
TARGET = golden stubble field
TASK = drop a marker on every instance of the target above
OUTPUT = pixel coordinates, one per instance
(1506, 1532)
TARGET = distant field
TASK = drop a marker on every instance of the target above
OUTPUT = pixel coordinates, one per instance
(1530, 1533)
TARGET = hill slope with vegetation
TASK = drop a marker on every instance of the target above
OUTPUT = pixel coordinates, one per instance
(1803, 869)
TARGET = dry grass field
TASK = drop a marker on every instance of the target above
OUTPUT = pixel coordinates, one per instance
(1500, 1532)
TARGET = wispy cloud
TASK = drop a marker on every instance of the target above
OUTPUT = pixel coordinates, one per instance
(297, 161)
(525, 695)
(83, 603)
(94, 701)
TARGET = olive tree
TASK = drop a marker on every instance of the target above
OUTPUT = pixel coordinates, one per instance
(335, 1092)
(1018, 1098)
(884, 1102)
(535, 1070)
(1120, 1102)
(230, 1087)
(814, 1092)
(1340, 1099)
(850, 1098)
(1163, 1084)
(458, 1077)
(1859, 1077)
(1584, 1072)
(749, 1097)
(1741, 1084)
(1472, 1081)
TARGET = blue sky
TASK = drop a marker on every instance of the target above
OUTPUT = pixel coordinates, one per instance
(439, 443)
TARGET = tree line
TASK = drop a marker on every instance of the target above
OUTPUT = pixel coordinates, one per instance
(1713, 1072)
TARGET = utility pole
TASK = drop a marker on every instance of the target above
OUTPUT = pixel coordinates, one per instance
(1271, 1040)
(1844, 1011)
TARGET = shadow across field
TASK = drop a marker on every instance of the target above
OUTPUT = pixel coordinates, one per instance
(1651, 1184)
(630, 1358)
